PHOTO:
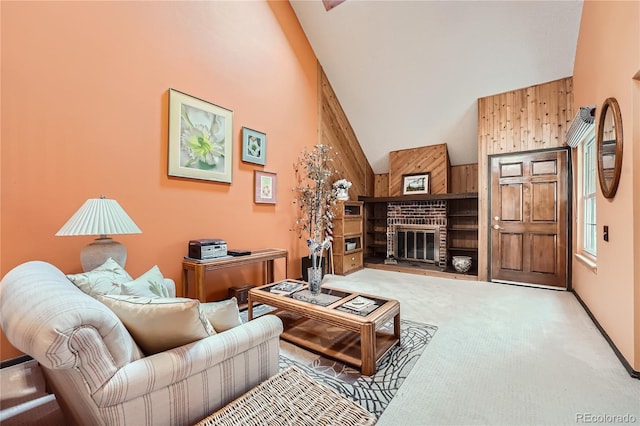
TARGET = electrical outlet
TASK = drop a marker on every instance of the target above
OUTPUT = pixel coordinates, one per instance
(605, 233)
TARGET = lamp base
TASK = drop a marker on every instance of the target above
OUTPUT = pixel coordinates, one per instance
(96, 253)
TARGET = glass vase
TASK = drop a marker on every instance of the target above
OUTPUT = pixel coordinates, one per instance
(315, 279)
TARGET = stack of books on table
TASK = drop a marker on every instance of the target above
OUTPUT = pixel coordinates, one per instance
(286, 287)
(358, 303)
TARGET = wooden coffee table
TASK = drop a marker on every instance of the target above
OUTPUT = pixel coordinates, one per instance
(323, 325)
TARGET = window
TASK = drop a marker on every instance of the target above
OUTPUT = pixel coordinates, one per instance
(587, 214)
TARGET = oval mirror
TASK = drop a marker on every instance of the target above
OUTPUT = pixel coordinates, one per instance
(609, 145)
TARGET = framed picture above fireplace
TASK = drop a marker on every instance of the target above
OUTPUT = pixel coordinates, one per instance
(416, 183)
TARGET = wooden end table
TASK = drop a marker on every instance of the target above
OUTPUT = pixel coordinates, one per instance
(324, 325)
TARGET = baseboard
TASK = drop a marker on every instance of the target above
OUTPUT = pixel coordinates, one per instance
(633, 373)
(14, 361)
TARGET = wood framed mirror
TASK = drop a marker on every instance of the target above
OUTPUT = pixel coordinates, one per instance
(609, 146)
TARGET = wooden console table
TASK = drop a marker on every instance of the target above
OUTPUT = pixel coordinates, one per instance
(200, 268)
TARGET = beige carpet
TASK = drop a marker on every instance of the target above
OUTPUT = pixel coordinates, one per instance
(503, 355)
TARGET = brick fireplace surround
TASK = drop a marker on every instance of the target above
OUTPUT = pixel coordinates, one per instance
(405, 213)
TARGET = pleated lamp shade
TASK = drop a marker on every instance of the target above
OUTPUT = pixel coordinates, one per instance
(100, 216)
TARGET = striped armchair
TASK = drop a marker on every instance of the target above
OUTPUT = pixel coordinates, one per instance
(101, 377)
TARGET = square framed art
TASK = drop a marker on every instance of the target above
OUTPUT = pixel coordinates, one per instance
(417, 183)
(254, 146)
(200, 138)
(265, 187)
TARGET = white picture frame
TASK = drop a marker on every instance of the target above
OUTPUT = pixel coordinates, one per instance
(200, 139)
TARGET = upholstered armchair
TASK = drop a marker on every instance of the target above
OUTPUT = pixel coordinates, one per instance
(99, 374)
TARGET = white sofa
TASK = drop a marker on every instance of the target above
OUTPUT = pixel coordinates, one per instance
(101, 377)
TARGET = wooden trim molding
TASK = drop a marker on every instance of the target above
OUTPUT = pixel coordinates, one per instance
(14, 361)
(633, 373)
(587, 262)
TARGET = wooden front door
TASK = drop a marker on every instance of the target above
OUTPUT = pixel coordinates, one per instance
(529, 218)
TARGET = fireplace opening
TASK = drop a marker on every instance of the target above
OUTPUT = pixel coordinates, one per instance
(417, 242)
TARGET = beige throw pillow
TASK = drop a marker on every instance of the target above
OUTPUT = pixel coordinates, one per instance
(149, 284)
(222, 315)
(159, 324)
(105, 279)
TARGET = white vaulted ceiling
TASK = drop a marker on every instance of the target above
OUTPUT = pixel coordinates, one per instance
(409, 73)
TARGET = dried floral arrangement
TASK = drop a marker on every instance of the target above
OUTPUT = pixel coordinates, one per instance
(316, 200)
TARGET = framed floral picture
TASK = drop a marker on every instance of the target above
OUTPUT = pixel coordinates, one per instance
(415, 184)
(254, 146)
(265, 187)
(200, 138)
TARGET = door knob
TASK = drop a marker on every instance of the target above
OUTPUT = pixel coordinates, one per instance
(497, 227)
(496, 218)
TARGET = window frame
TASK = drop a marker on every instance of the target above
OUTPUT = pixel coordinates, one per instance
(583, 253)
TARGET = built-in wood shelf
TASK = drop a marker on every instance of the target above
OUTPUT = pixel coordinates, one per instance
(348, 241)
(419, 197)
(462, 230)
(463, 214)
(377, 245)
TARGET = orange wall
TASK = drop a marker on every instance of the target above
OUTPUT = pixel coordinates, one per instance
(84, 112)
(608, 55)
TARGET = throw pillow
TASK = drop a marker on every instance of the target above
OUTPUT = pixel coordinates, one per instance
(149, 284)
(105, 279)
(159, 324)
(222, 315)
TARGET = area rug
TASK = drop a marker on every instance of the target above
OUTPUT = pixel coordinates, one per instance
(374, 393)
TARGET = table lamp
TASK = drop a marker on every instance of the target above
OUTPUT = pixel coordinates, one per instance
(100, 216)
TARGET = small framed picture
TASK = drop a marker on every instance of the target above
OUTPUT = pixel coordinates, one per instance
(266, 189)
(417, 183)
(254, 146)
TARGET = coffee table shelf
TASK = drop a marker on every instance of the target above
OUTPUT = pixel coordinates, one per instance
(332, 341)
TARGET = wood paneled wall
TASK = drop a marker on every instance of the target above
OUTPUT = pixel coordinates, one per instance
(381, 188)
(532, 118)
(433, 159)
(335, 131)
(464, 178)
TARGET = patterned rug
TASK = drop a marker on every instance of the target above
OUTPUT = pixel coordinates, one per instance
(372, 392)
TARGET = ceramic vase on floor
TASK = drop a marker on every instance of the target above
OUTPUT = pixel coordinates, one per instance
(461, 264)
(315, 279)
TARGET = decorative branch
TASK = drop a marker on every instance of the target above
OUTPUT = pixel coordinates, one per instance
(316, 199)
